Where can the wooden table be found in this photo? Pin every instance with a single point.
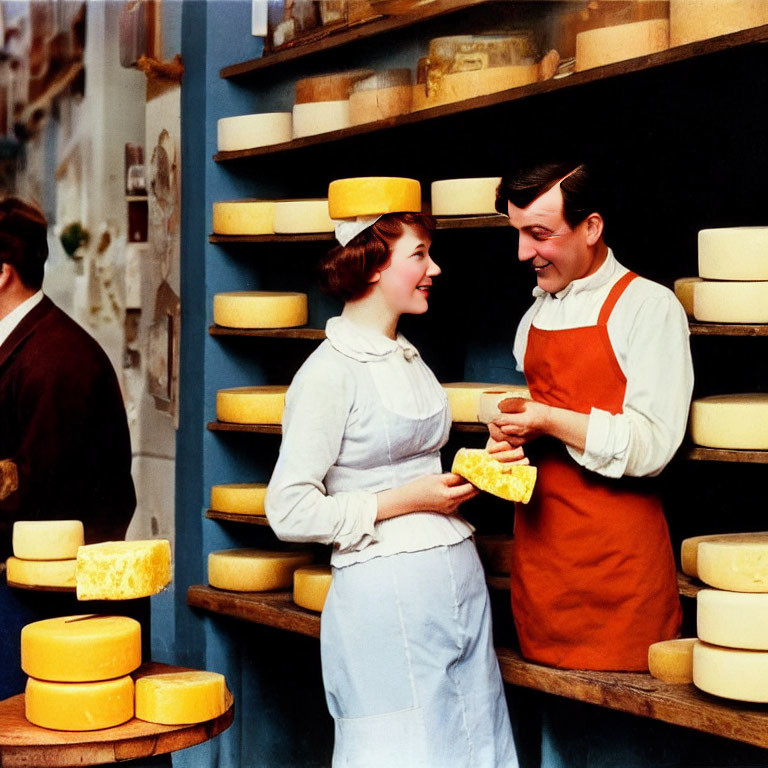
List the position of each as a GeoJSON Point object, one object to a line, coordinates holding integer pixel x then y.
{"type": "Point", "coordinates": [23, 745]}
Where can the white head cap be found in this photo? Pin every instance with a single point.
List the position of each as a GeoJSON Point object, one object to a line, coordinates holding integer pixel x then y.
{"type": "Point", "coordinates": [347, 229]}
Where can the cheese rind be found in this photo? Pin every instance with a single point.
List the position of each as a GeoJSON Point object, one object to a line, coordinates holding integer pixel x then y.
{"type": "Point", "coordinates": [372, 196]}
{"type": "Point", "coordinates": [731, 301]}
{"type": "Point", "coordinates": [251, 131]}
{"type": "Point", "coordinates": [384, 94]}
{"type": "Point", "coordinates": [683, 288]}
{"type": "Point", "coordinates": [244, 217]}
{"type": "Point", "coordinates": [260, 309]}
{"type": "Point", "coordinates": [254, 570]}
{"type": "Point", "coordinates": [47, 539]}
{"type": "Point", "coordinates": [692, 20]}
{"type": "Point", "coordinates": [239, 498]}
{"type": "Point", "coordinates": [606, 45]}
{"type": "Point", "coordinates": [334, 86]}
{"type": "Point", "coordinates": [738, 421]}
{"type": "Point", "coordinates": [671, 661]}
{"type": "Point", "coordinates": [298, 216]}
{"type": "Point", "coordinates": [179, 698]}
{"type": "Point", "coordinates": [41, 573]}
{"type": "Point", "coordinates": [489, 400]}
{"type": "Point", "coordinates": [689, 549]}
{"type": "Point", "coordinates": [464, 399]}
{"type": "Point", "coordinates": [251, 405]}
{"type": "Point", "coordinates": [310, 586]}
{"type": "Point", "coordinates": [320, 117]}
{"type": "Point", "coordinates": [734, 253]}
{"type": "Point", "coordinates": [76, 649]}
{"type": "Point", "coordinates": [738, 566]}
{"type": "Point", "coordinates": [464, 197]}
{"type": "Point", "coordinates": [731, 673]}
{"type": "Point", "coordinates": [732, 619]}
{"type": "Point", "coordinates": [513, 482]}
{"type": "Point", "coordinates": [123, 570]}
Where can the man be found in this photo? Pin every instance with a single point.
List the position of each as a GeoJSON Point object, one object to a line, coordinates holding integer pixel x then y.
{"type": "Point", "coordinates": [607, 360]}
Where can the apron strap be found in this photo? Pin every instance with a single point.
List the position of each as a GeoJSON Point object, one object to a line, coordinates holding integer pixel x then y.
{"type": "Point", "coordinates": [614, 296]}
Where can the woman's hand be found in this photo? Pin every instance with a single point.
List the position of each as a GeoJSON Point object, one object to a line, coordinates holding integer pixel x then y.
{"type": "Point", "coordinates": [521, 420]}
{"type": "Point", "coordinates": [502, 451]}
{"type": "Point", "coordinates": [443, 494]}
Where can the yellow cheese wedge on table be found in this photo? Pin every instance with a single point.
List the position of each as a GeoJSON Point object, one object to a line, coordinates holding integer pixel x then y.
{"type": "Point", "coordinates": [40, 573]}
{"type": "Point", "coordinates": [464, 399]}
{"type": "Point", "coordinates": [239, 498]}
{"type": "Point", "coordinates": [513, 482]}
{"type": "Point", "coordinates": [734, 253]}
{"type": "Point", "coordinates": [310, 586]}
{"type": "Point", "coordinates": [732, 619]}
{"type": "Point", "coordinates": [606, 45]}
{"type": "Point", "coordinates": [244, 217]}
{"type": "Point", "coordinates": [464, 197]}
{"type": "Point", "coordinates": [251, 131]}
{"type": "Point", "coordinates": [178, 698]}
{"type": "Point", "coordinates": [692, 20]}
{"type": "Point", "coordinates": [315, 117]}
{"type": "Point", "coordinates": [47, 539]}
{"type": "Point", "coordinates": [683, 288]}
{"type": "Point", "coordinates": [671, 661]}
{"type": "Point", "coordinates": [76, 649]}
{"type": "Point", "coordinates": [726, 301]}
{"type": "Point", "coordinates": [495, 552]}
{"type": "Point", "coordinates": [373, 195]}
{"type": "Point", "coordinates": [730, 672]}
{"type": "Point", "coordinates": [738, 422]}
{"type": "Point", "coordinates": [79, 706]}
{"type": "Point", "coordinates": [254, 570]}
{"type": "Point", "coordinates": [293, 217]}
{"type": "Point", "coordinates": [123, 570]}
{"type": "Point", "coordinates": [260, 309]}
{"type": "Point", "coordinates": [251, 405]}
{"type": "Point", "coordinates": [738, 566]}
{"type": "Point", "coordinates": [689, 549]}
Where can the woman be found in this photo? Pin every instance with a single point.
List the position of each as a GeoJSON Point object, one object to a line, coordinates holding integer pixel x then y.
{"type": "Point", "coordinates": [410, 673]}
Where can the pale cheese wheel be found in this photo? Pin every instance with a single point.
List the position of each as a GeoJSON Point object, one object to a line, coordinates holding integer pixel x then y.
{"type": "Point", "coordinates": [606, 45]}
{"type": "Point", "coordinates": [464, 398]}
{"type": "Point", "coordinates": [489, 400]}
{"type": "Point", "coordinates": [310, 586]}
{"type": "Point", "coordinates": [734, 253]}
{"type": "Point", "coordinates": [251, 405]}
{"type": "Point", "coordinates": [513, 482]}
{"type": "Point", "coordinates": [385, 94]}
{"type": "Point", "coordinates": [79, 706]}
{"type": "Point", "coordinates": [738, 422]}
{"type": "Point", "coordinates": [692, 20]}
{"type": "Point", "coordinates": [47, 539]}
{"type": "Point", "coordinates": [260, 309]}
{"type": "Point", "coordinates": [689, 549]}
{"type": "Point", "coordinates": [254, 570]}
{"type": "Point", "coordinates": [671, 661]}
{"type": "Point", "coordinates": [738, 566]}
{"type": "Point", "coordinates": [77, 649]}
{"type": "Point", "coordinates": [297, 216]}
{"type": "Point", "coordinates": [464, 197]}
{"type": "Point", "coordinates": [180, 698]}
{"type": "Point", "coordinates": [244, 217]}
{"type": "Point", "coordinates": [730, 301]}
{"type": "Point", "coordinates": [732, 619]}
{"type": "Point", "coordinates": [328, 87]}
{"type": "Point", "coordinates": [373, 195]}
{"type": "Point", "coordinates": [239, 498]}
{"type": "Point", "coordinates": [320, 117]}
{"type": "Point", "coordinates": [683, 288]}
{"type": "Point", "coordinates": [731, 673]}
{"type": "Point", "coordinates": [251, 131]}
{"type": "Point", "coordinates": [41, 573]}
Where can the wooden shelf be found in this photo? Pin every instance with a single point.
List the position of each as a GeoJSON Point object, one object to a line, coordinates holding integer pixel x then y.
{"type": "Point", "coordinates": [276, 429]}
{"type": "Point", "coordinates": [699, 453]}
{"type": "Point", "coordinates": [269, 333]}
{"type": "Point", "coordinates": [728, 329]}
{"type": "Point", "coordinates": [687, 586]}
{"type": "Point", "coordinates": [232, 517]}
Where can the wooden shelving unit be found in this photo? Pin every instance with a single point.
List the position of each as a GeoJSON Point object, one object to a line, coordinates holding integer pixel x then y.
{"type": "Point", "coordinates": [276, 429]}
{"type": "Point", "coordinates": [232, 517]}
{"type": "Point", "coordinates": [699, 453]}
{"type": "Point", "coordinates": [311, 334]}
{"type": "Point", "coordinates": [728, 329]}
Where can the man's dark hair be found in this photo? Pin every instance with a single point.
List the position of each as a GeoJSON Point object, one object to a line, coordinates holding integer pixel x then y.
{"type": "Point", "coordinates": [23, 240]}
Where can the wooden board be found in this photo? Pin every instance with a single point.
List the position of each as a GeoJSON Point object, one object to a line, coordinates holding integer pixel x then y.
{"type": "Point", "coordinates": [728, 329]}
{"type": "Point", "coordinates": [699, 453]}
{"type": "Point", "coordinates": [269, 333]}
{"type": "Point", "coordinates": [234, 517]}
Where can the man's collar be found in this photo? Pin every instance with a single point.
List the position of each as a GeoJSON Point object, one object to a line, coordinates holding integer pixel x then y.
{"type": "Point", "coordinates": [604, 274]}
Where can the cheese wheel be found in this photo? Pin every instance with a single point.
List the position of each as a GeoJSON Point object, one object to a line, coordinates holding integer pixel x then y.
{"type": "Point", "coordinates": [689, 549]}
{"type": "Point", "coordinates": [251, 405]}
{"type": "Point", "coordinates": [251, 131]}
{"type": "Point", "coordinates": [606, 45]}
{"type": "Point", "coordinates": [373, 195]}
{"type": "Point", "coordinates": [328, 87]}
{"type": "Point", "coordinates": [731, 673]}
{"type": "Point", "coordinates": [297, 216]}
{"type": "Point", "coordinates": [738, 566]}
{"type": "Point", "coordinates": [40, 573]}
{"type": "Point", "coordinates": [464, 197]}
{"type": "Point", "coordinates": [382, 95]}
{"type": "Point", "coordinates": [79, 649]}
{"type": "Point", "coordinates": [244, 217]}
{"type": "Point", "coordinates": [731, 421]}
{"type": "Point", "coordinates": [734, 253]}
{"type": "Point", "coordinates": [488, 401]}
{"type": "Point", "coordinates": [47, 539]}
{"type": "Point", "coordinates": [254, 570]}
{"type": "Point", "coordinates": [683, 288]}
{"type": "Point", "coordinates": [79, 706]}
{"type": "Point", "coordinates": [310, 586]}
{"type": "Point", "coordinates": [513, 482]}
{"type": "Point", "coordinates": [671, 661]}
{"type": "Point", "coordinates": [692, 20]}
{"type": "Point", "coordinates": [495, 552]}
{"type": "Point", "coordinates": [730, 302]}
{"type": "Point", "coordinates": [239, 498]}
{"type": "Point", "coordinates": [179, 698]}
{"type": "Point", "coordinates": [464, 398]}
{"type": "Point", "coordinates": [320, 117]}
{"type": "Point", "coordinates": [732, 619]}
{"type": "Point", "coordinates": [260, 309]}
{"type": "Point", "coordinates": [123, 570]}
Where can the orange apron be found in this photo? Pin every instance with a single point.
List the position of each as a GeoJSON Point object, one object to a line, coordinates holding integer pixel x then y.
{"type": "Point", "coordinates": [593, 575]}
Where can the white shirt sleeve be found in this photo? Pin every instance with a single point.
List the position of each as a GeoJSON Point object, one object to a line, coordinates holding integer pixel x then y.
{"type": "Point", "coordinates": [298, 508]}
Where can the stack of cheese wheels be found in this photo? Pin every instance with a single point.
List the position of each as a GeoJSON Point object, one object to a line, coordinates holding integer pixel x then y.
{"type": "Point", "coordinates": [79, 671]}
{"type": "Point", "coordinates": [254, 570]}
{"type": "Point", "coordinates": [181, 698]}
{"type": "Point", "coordinates": [44, 553]}
{"type": "Point", "coordinates": [373, 196]}
{"type": "Point", "coordinates": [733, 262]}
{"type": "Point", "coordinates": [472, 401]}
{"type": "Point", "coordinates": [464, 197]}
{"type": "Point", "coordinates": [251, 131]}
{"type": "Point", "coordinates": [244, 217]}
{"type": "Point", "coordinates": [310, 586]}
{"type": "Point", "coordinates": [606, 45]}
{"type": "Point", "coordinates": [294, 217]}
{"type": "Point", "coordinates": [382, 95]}
{"type": "Point", "coordinates": [692, 20]}
{"type": "Point", "coordinates": [251, 405]}
{"type": "Point", "coordinates": [260, 309]}
{"type": "Point", "coordinates": [683, 288]}
{"type": "Point", "coordinates": [239, 498]}
{"type": "Point", "coordinates": [731, 422]}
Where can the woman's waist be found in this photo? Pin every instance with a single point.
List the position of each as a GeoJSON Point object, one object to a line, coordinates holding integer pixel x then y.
{"type": "Point", "coordinates": [381, 477]}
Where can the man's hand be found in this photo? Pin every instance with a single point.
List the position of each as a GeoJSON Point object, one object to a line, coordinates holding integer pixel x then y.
{"type": "Point", "coordinates": [502, 451]}
{"type": "Point", "coordinates": [521, 420]}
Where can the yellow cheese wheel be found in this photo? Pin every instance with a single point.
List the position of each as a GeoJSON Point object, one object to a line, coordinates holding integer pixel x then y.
{"type": "Point", "coordinates": [692, 20]}
{"type": "Point", "coordinates": [251, 405]}
{"type": "Point", "coordinates": [320, 117]}
{"type": "Point", "coordinates": [78, 649]}
{"type": "Point", "coordinates": [513, 482]}
{"type": "Point", "coordinates": [254, 570]}
{"type": "Point", "coordinates": [731, 673]}
{"type": "Point", "coordinates": [720, 301]}
{"type": "Point", "coordinates": [239, 498]}
{"type": "Point", "coordinates": [40, 573]}
{"type": "Point", "coordinates": [373, 195]}
{"type": "Point", "coordinates": [731, 421]}
{"type": "Point", "coordinates": [47, 539]}
{"type": "Point", "coordinates": [464, 398]}
{"type": "Point", "coordinates": [310, 586]}
{"type": "Point", "coordinates": [178, 698]}
{"type": "Point", "coordinates": [732, 619]}
{"type": "Point", "coordinates": [464, 197]}
{"type": "Point", "coordinates": [297, 216]}
{"type": "Point", "coordinates": [671, 661]}
{"type": "Point", "coordinates": [251, 131]}
{"type": "Point", "coordinates": [495, 552]}
{"type": "Point", "coordinates": [328, 87]}
{"type": "Point", "coordinates": [489, 399]}
{"type": "Point", "coordinates": [244, 217]}
{"type": "Point", "coordinates": [734, 253]}
{"type": "Point", "coordinates": [260, 309]}
{"type": "Point", "coordinates": [123, 570]}
{"type": "Point", "coordinates": [683, 288]}
{"type": "Point", "coordinates": [79, 706]}
{"type": "Point", "coordinates": [606, 45]}
{"type": "Point", "coordinates": [689, 549]}
{"type": "Point", "coordinates": [738, 566]}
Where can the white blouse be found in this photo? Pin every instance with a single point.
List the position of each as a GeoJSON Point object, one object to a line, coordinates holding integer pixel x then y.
{"type": "Point", "coordinates": [363, 414]}
{"type": "Point", "coordinates": [648, 330]}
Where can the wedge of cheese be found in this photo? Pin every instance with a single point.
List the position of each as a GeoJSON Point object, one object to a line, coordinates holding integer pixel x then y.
{"type": "Point", "coordinates": [47, 539]}
{"type": "Point", "coordinates": [736, 422]}
{"type": "Point", "coordinates": [513, 482]}
{"type": "Point", "coordinates": [738, 566]}
{"type": "Point", "coordinates": [310, 586]}
{"type": "Point", "coordinates": [464, 197]}
{"type": "Point", "coordinates": [734, 253]}
{"type": "Point", "coordinates": [671, 661]}
{"type": "Point", "coordinates": [683, 288]}
{"type": "Point", "coordinates": [179, 698]}
{"type": "Point", "coordinates": [731, 673]}
{"type": "Point", "coordinates": [716, 301]}
{"type": "Point", "coordinates": [40, 573]}
{"type": "Point", "coordinates": [254, 570]}
{"type": "Point", "coordinates": [732, 619]}
{"type": "Point", "coordinates": [689, 549]}
{"type": "Point", "coordinates": [372, 196]}
{"type": "Point", "coordinates": [251, 131]}
{"type": "Point", "coordinates": [239, 498]}
{"type": "Point", "coordinates": [606, 45]}
{"type": "Point", "coordinates": [251, 405]}
{"type": "Point", "coordinates": [244, 217]}
{"type": "Point", "coordinates": [260, 309]}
